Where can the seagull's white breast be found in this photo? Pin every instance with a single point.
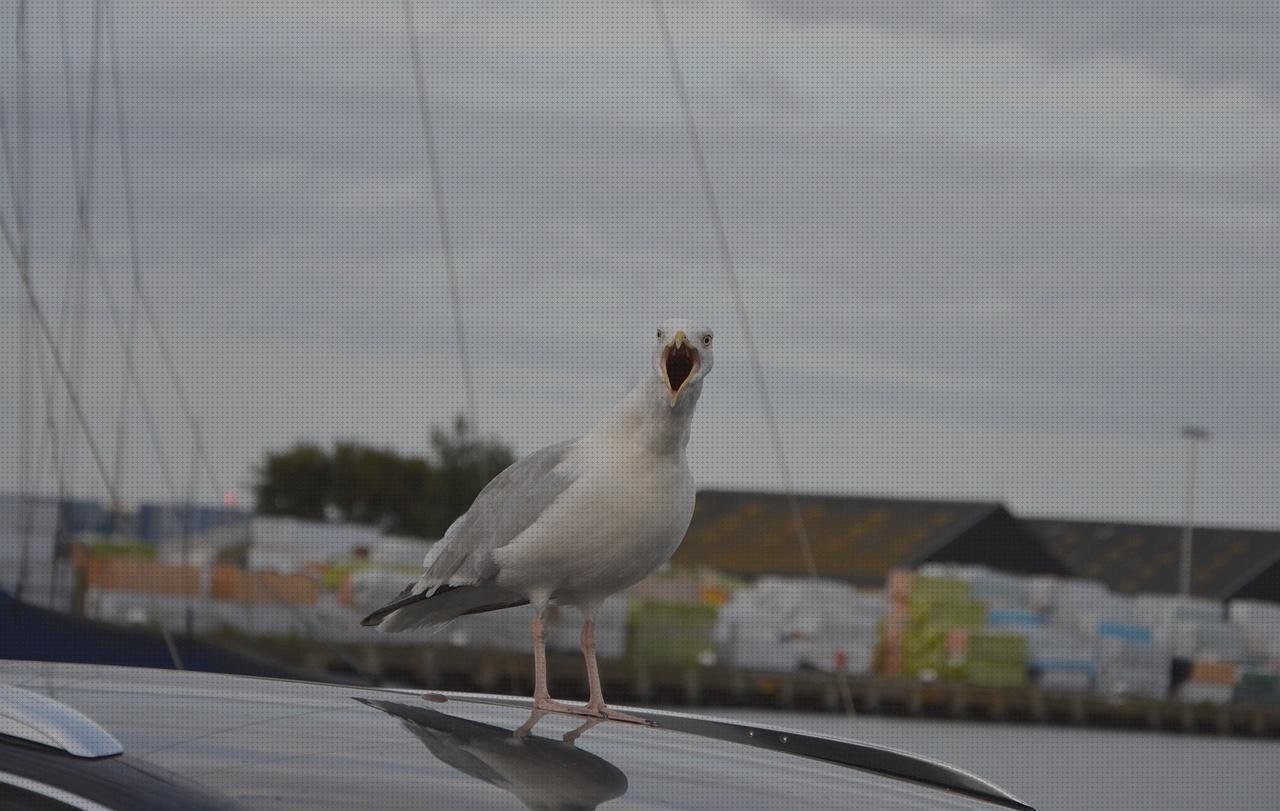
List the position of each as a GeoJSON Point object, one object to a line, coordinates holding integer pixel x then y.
{"type": "Point", "coordinates": [617, 523]}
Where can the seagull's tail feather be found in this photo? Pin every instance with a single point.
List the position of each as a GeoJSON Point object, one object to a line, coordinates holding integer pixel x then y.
{"type": "Point", "coordinates": [438, 606]}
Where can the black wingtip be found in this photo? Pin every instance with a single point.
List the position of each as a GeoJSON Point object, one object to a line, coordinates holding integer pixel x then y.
{"type": "Point", "coordinates": [404, 598]}
{"type": "Point", "coordinates": [407, 598]}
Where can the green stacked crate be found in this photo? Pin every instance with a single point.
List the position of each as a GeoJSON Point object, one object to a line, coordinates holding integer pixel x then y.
{"type": "Point", "coordinates": [939, 589]}
{"type": "Point", "coordinates": [998, 647]}
{"type": "Point", "coordinates": [937, 607]}
{"type": "Point", "coordinates": [997, 660]}
{"type": "Point", "coordinates": [663, 633]}
{"type": "Point", "coordinates": [923, 649]}
{"type": "Point", "coordinates": [964, 613]}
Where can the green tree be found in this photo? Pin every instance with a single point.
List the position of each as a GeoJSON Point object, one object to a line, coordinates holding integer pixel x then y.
{"type": "Point", "coordinates": [403, 495]}
{"type": "Point", "coordinates": [380, 487]}
{"type": "Point", "coordinates": [464, 464]}
{"type": "Point", "coordinates": [295, 483]}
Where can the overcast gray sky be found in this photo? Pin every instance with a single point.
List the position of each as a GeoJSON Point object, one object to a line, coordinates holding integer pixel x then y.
{"type": "Point", "coordinates": [991, 250]}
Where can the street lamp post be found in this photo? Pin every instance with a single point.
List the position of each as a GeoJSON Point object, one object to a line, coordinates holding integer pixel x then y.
{"type": "Point", "coordinates": [1195, 436]}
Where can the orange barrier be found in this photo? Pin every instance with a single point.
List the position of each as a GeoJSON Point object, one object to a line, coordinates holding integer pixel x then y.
{"type": "Point", "coordinates": [1206, 672]}
{"type": "Point", "coordinates": [126, 574]}
{"type": "Point", "coordinates": [239, 585]}
{"type": "Point", "coordinates": [225, 582]}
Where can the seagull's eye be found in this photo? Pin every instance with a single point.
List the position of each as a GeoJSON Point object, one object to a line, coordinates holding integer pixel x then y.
{"type": "Point", "coordinates": [706, 339]}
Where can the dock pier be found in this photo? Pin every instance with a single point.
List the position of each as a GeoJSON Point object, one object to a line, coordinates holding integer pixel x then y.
{"type": "Point", "coordinates": [626, 682]}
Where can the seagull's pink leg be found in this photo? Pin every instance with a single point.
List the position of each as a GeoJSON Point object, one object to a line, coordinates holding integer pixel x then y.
{"type": "Point", "coordinates": [595, 704]}
{"type": "Point", "coordinates": [596, 701]}
{"type": "Point", "coordinates": [541, 696]}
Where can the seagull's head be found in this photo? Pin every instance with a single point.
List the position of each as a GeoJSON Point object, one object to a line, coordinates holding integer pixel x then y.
{"type": "Point", "coordinates": [682, 357]}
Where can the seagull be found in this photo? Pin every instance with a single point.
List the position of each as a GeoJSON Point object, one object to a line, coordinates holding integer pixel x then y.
{"type": "Point", "coordinates": [575, 522]}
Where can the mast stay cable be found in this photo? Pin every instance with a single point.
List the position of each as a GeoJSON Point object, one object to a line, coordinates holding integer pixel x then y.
{"type": "Point", "coordinates": [731, 276]}
{"type": "Point", "coordinates": [19, 243]}
{"type": "Point", "coordinates": [71, 328]}
{"type": "Point", "coordinates": [442, 218]}
{"type": "Point", "coordinates": [17, 239]}
{"type": "Point", "coordinates": [135, 261]}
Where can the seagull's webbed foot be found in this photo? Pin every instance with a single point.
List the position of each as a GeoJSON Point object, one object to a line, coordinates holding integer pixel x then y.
{"type": "Point", "coordinates": [571, 737]}
{"type": "Point", "coordinates": [603, 711]}
{"type": "Point", "coordinates": [597, 711]}
{"type": "Point", "coordinates": [522, 731]}
{"type": "Point", "coordinates": [546, 704]}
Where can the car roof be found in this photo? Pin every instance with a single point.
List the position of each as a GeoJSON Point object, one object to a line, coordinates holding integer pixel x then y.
{"type": "Point", "coordinates": [277, 743]}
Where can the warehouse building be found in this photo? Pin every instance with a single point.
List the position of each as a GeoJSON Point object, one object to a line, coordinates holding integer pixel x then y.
{"type": "Point", "coordinates": [860, 540]}
{"type": "Point", "coordinates": [857, 539]}
{"type": "Point", "coordinates": [1132, 558]}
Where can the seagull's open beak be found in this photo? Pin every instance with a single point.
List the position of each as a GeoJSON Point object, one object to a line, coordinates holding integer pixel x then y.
{"type": "Point", "coordinates": [680, 364]}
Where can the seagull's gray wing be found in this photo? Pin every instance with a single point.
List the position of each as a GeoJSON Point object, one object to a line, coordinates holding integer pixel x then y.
{"type": "Point", "coordinates": [507, 506]}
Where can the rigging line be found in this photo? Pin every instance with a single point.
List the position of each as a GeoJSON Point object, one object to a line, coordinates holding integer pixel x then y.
{"type": "Point", "coordinates": [442, 219]}
{"type": "Point", "coordinates": [131, 370]}
{"type": "Point", "coordinates": [82, 168]}
{"type": "Point", "coordinates": [50, 434]}
{"type": "Point", "coordinates": [131, 226]}
{"type": "Point", "coordinates": [17, 161]}
{"type": "Point", "coordinates": [13, 236]}
{"type": "Point", "coordinates": [16, 165]}
{"type": "Point", "coordinates": [72, 132]}
{"type": "Point", "coordinates": [18, 238]}
{"type": "Point", "coordinates": [726, 257]}
{"type": "Point", "coordinates": [9, 238]}
{"type": "Point", "coordinates": [122, 409]}
{"type": "Point", "coordinates": [72, 396]}
{"type": "Point", "coordinates": [50, 440]}
{"type": "Point", "coordinates": [187, 516]}
{"type": "Point", "coordinates": [19, 247]}
{"type": "Point", "coordinates": [53, 436]}
{"type": "Point", "coordinates": [22, 200]}
{"type": "Point", "coordinates": [197, 432]}
{"type": "Point", "coordinates": [135, 252]}
{"type": "Point", "coordinates": [24, 401]}
{"type": "Point", "coordinates": [47, 387]}
{"type": "Point", "coordinates": [11, 174]}
{"type": "Point", "coordinates": [68, 296]}
{"type": "Point", "coordinates": [184, 401]}
{"type": "Point", "coordinates": [134, 377]}
{"type": "Point", "coordinates": [180, 388]}
{"type": "Point", "coordinates": [25, 445]}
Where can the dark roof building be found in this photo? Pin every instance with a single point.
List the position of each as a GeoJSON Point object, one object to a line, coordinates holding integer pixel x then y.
{"type": "Point", "coordinates": [1132, 558]}
{"type": "Point", "coordinates": [856, 539]}
{"type": "Point", "coordinates": [861, 539]}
